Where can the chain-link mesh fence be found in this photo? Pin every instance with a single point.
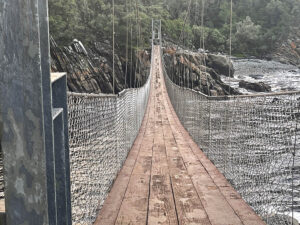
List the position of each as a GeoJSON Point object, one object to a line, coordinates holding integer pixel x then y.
{"type": "Point", "coordinates": [253, 141]}
{"type": "Point", "coordinates": [102, 129]}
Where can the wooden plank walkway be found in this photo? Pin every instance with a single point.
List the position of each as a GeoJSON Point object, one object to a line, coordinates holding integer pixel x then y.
{"type": "Point", "coordinates": [167, 179]}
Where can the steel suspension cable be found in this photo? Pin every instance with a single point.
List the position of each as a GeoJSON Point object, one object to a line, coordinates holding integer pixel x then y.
{"type": "Point", "coordinates": [140, 43]}
{"type": "Point", "coordinates": [131, 42]}
{"type": "Point", "coordinates": [185, 20]}
{"type": "Point", "coordinates": [127, 38]}
{"type": "Point", "coordinates": [137, 42]}
{"type": "Point", "coordinates": [113, 3]}
{"type": "Point", "coordinates": [230, 43]}
{"type": "Point", "coordinates": [197, 13]}
{"type": "Point", "coordinates": [203, 45]}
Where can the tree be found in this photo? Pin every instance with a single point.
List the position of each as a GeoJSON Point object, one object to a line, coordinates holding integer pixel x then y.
{"type": "Point", "coordinates": [261, 22]}
{"type": "Point", "coordinates": [63, 20]}
{"type": "Point", "coordinates": [247, 35]}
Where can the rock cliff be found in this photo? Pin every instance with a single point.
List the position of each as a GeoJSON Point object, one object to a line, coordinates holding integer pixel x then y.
{"type": "Point", "coordinates": [90, 69]}
{"type": "Point", "coordinates": [288, 51]}
{"type": "Point", "coordinates": [200, 71]}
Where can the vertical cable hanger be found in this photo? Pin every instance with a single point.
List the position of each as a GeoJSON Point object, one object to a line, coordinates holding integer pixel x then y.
{"type": "Point", "coordinates": [113, 2]}
{"type": "Point", "coordinates": [179, 41]}
{"type": "Point", "coordinates": [230, 43]}
{"type": "Point", "coordinates": [185, 20]}
{"type": "Point", "coordinates": [131, 42]}
{"type": "Point", "coordinates": [137, 42]}
{"type": "Point", "coordinates": [127, 37]}
{"type": "Point", "coordinates": [197, 23]}
{"type": "Point", "coordinates": [140, 43]}
{"type": "Point", "coordinates": [197, 11]}
{"type": "Point", "coordinates": [202, 25]}
{"type": "Point", "coordinates": [203, 45]}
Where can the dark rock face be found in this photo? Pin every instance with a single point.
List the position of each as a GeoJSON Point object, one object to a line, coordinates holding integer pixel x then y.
{"type": "Point", "coordinates": [258, 87]}
{"type": "Point", "coordinates": [188, 69]}
{"type": "Point", "coordinates": [90, 69]}
{"type": "Point", "coordinates": [220, 64]}
{"type": "Point", "coordinates": [288, 51]}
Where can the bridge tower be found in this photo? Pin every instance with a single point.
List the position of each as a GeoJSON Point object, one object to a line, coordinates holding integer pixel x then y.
{"type": "Point", "coordinates": [156, 32]}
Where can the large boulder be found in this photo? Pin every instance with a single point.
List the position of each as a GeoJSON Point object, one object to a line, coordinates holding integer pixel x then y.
{"type": "Point", "coordinates": [221, 64]}
{"type": "Point", "coordinates": [257, 87]}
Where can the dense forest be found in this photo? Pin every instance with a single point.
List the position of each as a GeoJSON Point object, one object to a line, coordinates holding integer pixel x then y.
{"type": "Point", "coordinates": [257, 25]}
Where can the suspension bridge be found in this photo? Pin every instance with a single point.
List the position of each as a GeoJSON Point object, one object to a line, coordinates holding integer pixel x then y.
{"type": "Point", "coordinates": [167, 179]}
{"type": "Point", "coordinates": [158, 154]}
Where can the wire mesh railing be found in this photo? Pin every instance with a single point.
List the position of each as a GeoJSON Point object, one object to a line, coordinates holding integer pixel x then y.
{"type": "Point", "coordinates": [102, 130]}
{"type": "Point", "coordinates": [253, 141]}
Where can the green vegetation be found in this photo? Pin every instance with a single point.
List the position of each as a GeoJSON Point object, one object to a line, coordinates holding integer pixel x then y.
{"type": "Point", "coordinates": [257, 24]}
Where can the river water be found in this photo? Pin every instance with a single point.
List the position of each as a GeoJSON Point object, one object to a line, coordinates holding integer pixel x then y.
{"type": "Point", "coordinates": [281, 77]}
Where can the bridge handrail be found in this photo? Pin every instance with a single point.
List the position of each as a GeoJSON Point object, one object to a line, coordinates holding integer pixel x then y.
{"type": "Point", "coordinates": [102, 130]}
{"type": "Point", "coordinates": [227, 97]}
{"type": "Point", "coordinates": [252, 139]}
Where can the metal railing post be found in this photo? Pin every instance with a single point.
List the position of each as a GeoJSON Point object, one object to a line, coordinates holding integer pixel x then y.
{"type": "Point", "coordinates": [61, 150]}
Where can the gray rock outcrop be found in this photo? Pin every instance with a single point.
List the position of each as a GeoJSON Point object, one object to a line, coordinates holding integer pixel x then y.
{"type": "Point", "coordinates": [288, 51]}
{"type": "Point", "coordinates": [221, 64]}
{"type": "Point", "coordinates": [198, 71]}
{"type": "Point", "coordinates": [257, 87]}
{"type": "Point", "coordinates": [90, 69]}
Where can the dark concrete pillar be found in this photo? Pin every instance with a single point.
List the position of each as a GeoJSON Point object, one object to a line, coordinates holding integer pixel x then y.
{"type": "Point", "coordinates": [29, 146]}
{"type": "Point", "coordinates": [23, 138]}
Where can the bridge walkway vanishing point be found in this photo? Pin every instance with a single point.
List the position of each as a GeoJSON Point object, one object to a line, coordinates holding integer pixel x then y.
{"type": "Point", "coordinates": [167, 179]}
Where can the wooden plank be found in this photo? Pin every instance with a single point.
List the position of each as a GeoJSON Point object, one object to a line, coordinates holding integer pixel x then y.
{"type": "Point", "coordinates": [189, 207]}
{"type": "Point", "coordinates": [138, 186]}
{"type": "Point", "coordinates": [143, 165]}
{"type": "Point", "coordinates": [161, 204]}
{"type": "Point", "coordinates": [241, 208]}
{"type": "Point", "coordinates": [133, 211]}
{"type": "Point", "coordinates": [162, 208]}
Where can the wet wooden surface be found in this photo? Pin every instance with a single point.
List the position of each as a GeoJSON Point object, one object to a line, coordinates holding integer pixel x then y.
{"type": "Point", "coordinates": [167, 179]}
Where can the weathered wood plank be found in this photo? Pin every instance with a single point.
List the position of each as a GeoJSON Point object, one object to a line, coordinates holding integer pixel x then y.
{"type": "Point", "coordinates": [161, 203]}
